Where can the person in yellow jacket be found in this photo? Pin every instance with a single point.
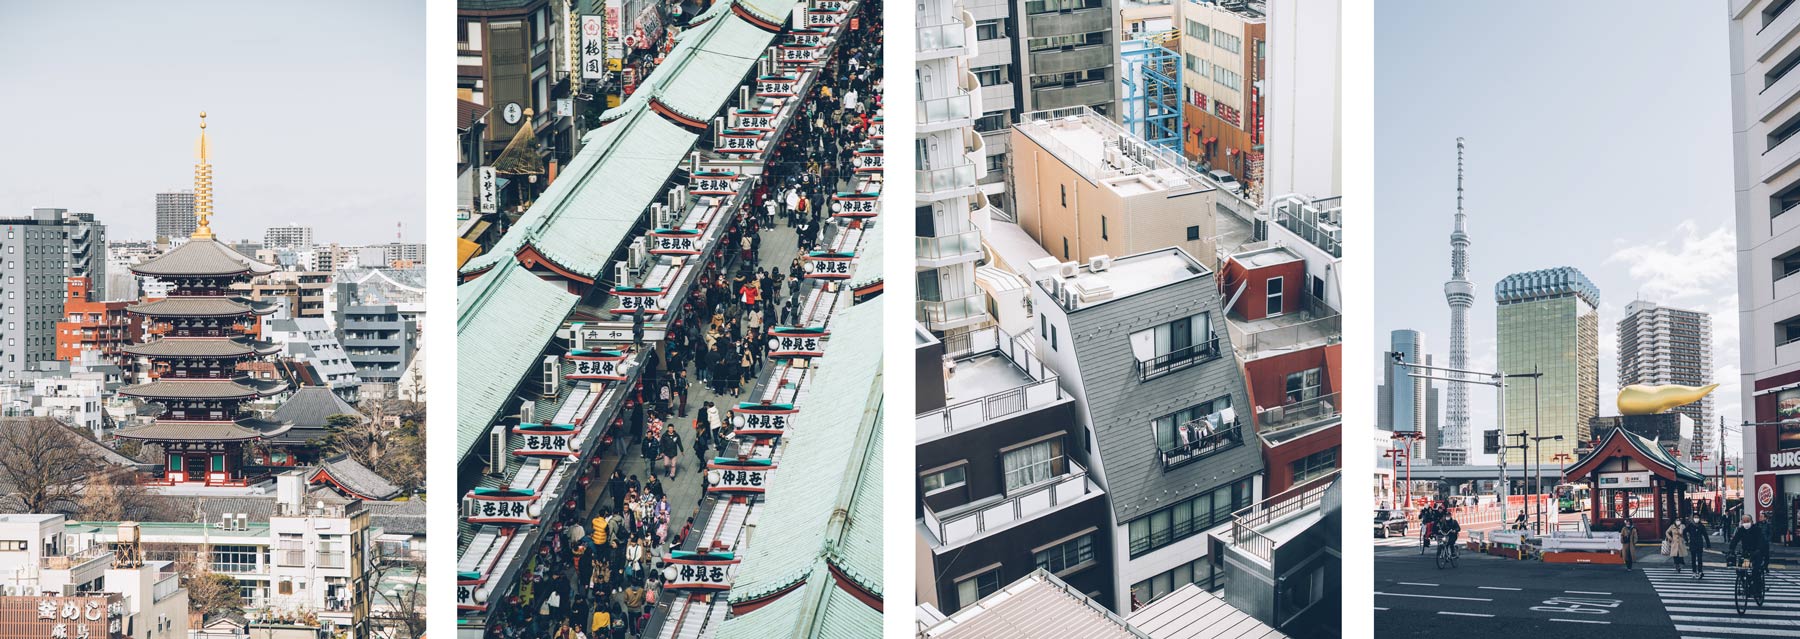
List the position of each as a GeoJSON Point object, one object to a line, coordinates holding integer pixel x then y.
{"type": "Point", "coordinates": [602, 620]}
{"type": "Point", "coordinates": [599, 535]}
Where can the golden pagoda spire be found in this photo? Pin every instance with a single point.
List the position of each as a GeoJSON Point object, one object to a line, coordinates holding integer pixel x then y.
{"type": "Point", "coordinates": [202, 189]}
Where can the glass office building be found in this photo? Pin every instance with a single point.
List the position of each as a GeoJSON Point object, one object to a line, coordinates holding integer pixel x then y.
{"type": "Point", "coordinates": [1548, 321]}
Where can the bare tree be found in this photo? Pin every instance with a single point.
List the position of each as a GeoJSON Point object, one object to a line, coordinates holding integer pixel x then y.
{"type": "Point", "coordinates": [44, 462]}
{"type": "Point", "coordinates": [400, 607]}
{"type": "Point", "coordinates": [388, 441]}
{"type": "Point", "coordinates": [117, 494]}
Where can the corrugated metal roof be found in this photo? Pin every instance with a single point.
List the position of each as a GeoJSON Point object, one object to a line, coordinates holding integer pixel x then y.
{"type": "Point", "coordinates": [590, 217]}
{"type": "Point", "coordinates": [1037, 606]}
{"type": "Point", "coordinates": [846, 616]}
{"type": "Point", "coordinates": [832, 433]}
{"type": "Point", "coordinates": [501, 329]}
{"type": "Point", "coordinates": [868, 258]}
{"type": "Point", "coordinates": [1193, 613]}
{"type": "Point", "coordinates": [708, 63]}
{"type": "Point", "coordinates": [774, 620]}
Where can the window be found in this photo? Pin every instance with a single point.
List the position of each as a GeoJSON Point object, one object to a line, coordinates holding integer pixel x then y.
{"type": "Point", "coordinates": [1174, 346]}
{"type": "Point", "coordinates": [1065, 240]}
{"type": "Point", "coordinates": [971, 590]}
{"type": "Point", "coordinates": [1051, 43]}
{"type": "Point", "coordinates": [1787, 264]}
{"type": "Point", "coordinates": [990, 29]}
{"type": "Point", "coordinates": [1066, 555]}
{"type": "Point", "coordinates": [1774, 11]}
{"type": "Point", "coordinates": [1785, 131]}
{"type": "Point", "coordinates": [1198, 31]}
{"type": "Point", "coordinates": [235, 559]}
{"type": "Point", "coordinates": [1031, 463]}
{"type": "Point", "coordinates": [947, 478]}
{"type": "Point", "coordinates": [1103, 227]}
{"type": "Point", "coordinates": [1194, 63]}
{"type": "Point", "coordinates": [1274, 288]}
{"type": "Point", "coordinates": [1188, 517]}
{"type": "Point", "coordinates": [1227, 41]}
{"type": "Point", "coordinates": [286, 587]}
{"type": "Point", "coordinates": [1052, 6]}
{"type": "Point", "coordinates": [1303, 385]}
{"type": "Point", "coordinates": [1193, 426]}
{"type": "Point", "coordinates": [1193, 233]}
{"type": "Point", "coordinates": [1780, 69]}
{"type": "Point", "coordinates": [1069, 79]}
{"type": "Point", "coordinates": [1227, 78]}
{"type": "Point", "coordinates": [990, 76]}
{"type": "Point", "coordinates": [1314, 466]}
{"type": "Point", "coordinates": [1198, 571]}
{"type": "Point", "coordinates": [1786, 199]}
{"type": "Point", "coordinates": [1063, 191]}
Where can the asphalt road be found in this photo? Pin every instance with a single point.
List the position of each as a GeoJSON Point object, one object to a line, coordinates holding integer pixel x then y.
{"type": "Point", "coordinates": [1488, 596]}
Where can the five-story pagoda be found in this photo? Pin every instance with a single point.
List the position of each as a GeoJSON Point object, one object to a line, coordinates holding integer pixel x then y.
{"type": "Point", "coordinates": [194, 340]}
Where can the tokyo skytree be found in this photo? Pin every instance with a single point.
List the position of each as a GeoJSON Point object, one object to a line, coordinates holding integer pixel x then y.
{"type": "Point", "coordinates": [1460, 292]}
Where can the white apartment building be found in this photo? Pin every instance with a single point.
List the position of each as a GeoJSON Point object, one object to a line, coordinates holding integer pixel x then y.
{"type": "Point", "coordinates": [1765, 116]}
{"type": "Point", "coordinates": [43, 562]}
{"type": "Point", "coordinates": [77, 400]}
{"type": "Point", "coordinates": [1663, 345]}
{"type": "Point", "coordinates": [1304, 128]}
{"type": "Point", "coordinates": [292, 236]}
{"type": "Point", "coordinates": [951, 158]}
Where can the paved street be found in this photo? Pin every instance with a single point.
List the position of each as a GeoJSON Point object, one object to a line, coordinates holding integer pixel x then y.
{"type": "Point", "coordinates": [1489, 596]}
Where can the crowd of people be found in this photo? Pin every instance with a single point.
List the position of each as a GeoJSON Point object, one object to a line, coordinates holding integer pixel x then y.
{"type": "Point", "coordinates": [596, 572]}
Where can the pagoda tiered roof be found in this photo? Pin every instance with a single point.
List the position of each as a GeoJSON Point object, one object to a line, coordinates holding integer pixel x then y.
{"type": "Point", "coordinates": [202, 306]}
{"type": "Point", "coordinates": [233, 388]}
{"type": "Point", "coordinates": [201, 258]}
{"type": "Point", "coordinates": [220, 347]}
{"type": "Point", "coordinates": [243, 429]}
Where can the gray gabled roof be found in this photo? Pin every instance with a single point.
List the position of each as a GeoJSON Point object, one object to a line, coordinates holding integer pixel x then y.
{"type": "Point", "coordinates": [201, 347]}
{"type": "Point", "coordinates": [358, 479]}
{"type": "Point", "coordinates": [192, 307]}
{"type": "Point", "coordinates": [1122, 408]}
{"type": "Point", "coordinates": [201, 258]}
{"type": "Point", "coordinates": [310, 405]}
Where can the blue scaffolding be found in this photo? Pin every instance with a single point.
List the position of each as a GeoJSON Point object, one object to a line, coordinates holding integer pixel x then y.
{"type": "Point", "coordinates": [1151, 76]}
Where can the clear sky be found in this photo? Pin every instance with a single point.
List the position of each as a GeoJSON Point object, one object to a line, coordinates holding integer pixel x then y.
{"type": "Point", "coordinates": [1599, 137]}
{"type": "Point", "coordinates": [315, 113]}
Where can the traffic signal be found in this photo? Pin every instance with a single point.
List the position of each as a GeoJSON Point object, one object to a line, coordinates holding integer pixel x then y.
{"type": "Point", "coordinates": [1490, 442]}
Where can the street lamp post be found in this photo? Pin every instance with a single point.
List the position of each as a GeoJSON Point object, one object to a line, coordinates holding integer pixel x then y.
{"type": "Point", "coordinates": [1495, 379]}
{"type": "Point", "coordinates": [1539, 452]}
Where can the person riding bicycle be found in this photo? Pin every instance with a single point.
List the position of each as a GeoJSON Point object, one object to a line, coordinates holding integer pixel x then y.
{"type": "Point", "coordinates": [1448, 528]}
{"type": "Point", "coordinates": [1427, 522]}
{"type": "Point", "coordinates": [1756, 546]}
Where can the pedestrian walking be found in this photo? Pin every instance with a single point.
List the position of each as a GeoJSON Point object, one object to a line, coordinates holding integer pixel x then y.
{"type": "Point", "coordinates": [1628, 537]}
{"type": "Point", "coordinates": [1697, 543]}
{"type": "Point", "coordinates": [1674, 545]}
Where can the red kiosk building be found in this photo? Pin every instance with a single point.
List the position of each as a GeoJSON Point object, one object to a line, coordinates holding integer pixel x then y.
{"type": "Point", "coordinates": [194, 341]}
{"type": "Point", "coordinates": [1630, 477]}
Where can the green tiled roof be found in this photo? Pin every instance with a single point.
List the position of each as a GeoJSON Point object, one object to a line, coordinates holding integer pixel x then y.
{"type": "Point", "coordinates": [502, 325]}
{"type": "Point", "coordinates": [836, 443]}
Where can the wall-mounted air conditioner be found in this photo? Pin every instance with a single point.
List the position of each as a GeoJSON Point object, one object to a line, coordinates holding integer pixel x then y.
{"type": "Point", "coordinates": [552, 376]}
{"type": "Point", "coordinates": [497, 453]}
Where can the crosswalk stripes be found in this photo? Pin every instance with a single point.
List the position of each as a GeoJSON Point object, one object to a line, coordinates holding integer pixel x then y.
{"type": "Point", "coordinates": [1703, 607]}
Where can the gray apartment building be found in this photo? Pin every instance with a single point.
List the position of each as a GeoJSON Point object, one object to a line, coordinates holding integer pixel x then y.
{"type": "Point", "coordinates": [37, 253]}
{"type": "Point", "coordinates": [1035, 55]}
{"type": "Point", "coordinates": [292, 236]}
{"type": "Point", "coordinates": [175, 214]}
{"type": "Point", "coordinates": [1140, 342]}
{"type": "Point", "coordinates": [1663, 345]}
{"type": "Point", "coordinates": [377, 339]}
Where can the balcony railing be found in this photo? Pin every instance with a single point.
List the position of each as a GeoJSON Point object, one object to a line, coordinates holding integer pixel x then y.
{"type": "Point", "coordinates": [930, 181]}
{"type": "Point", "coordinates": [945, 247]}
{"type": "Point", "coordinates": [935, 110]}
{"type": "Point", "coordinates": [1176, 360]}
{"type": "Point", "coordinates": [941, 36]}
{"type": "Point", "coordinates": [291, 557]}
{"type": "Point", "coordinates": [935, 313]}
{"type": "Point", "coordinates": [1206, 440]}
{"type": "Point", "coordinates": [979, 517]}
{"type": "Point", "coordinates": [78, 558]}
{"type": "Point", "coordinates": [1245, 523]}
{"type": "Point", "coordinates": [332, 559]}
{"type": "Point", "coordinates": [166, 587]}
{"type": "Point", "coordinates": [1041, 390]}
{"type": "Point", "coordinates": [1297, 414]}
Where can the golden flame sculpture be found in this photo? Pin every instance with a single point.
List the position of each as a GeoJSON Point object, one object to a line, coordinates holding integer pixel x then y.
{"type": "Point", "coordinates": [1643, 399]}
{"type": "Point", "coordinates": [202, 190]}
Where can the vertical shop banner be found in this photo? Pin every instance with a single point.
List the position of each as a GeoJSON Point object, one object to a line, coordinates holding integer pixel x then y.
{"type": "Point", "coordinates": [489, 190]}
{"type": "Point", "coordinates": [593, 47]}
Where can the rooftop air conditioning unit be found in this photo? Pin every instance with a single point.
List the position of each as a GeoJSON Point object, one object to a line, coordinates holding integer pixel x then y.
{"type": "Point", "coordinates": [621, 273]}
{"type": "Point", "coordinates": [678, 196]}
{"type": "Point", "coordinates": [1112, 157]}
{"type": "Point", "coordinates": [525, 412]}
{"type": "Point", "coordinates": [639, 254]}
{"type": "Point", "coordinates": [496, 462]}
{"type": "Point", "coordinates": [552, 378]}
{"type": "Point", "coordinates": [1068, 269]}
{"type": "Point", "coordinates": [1099, 263]}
